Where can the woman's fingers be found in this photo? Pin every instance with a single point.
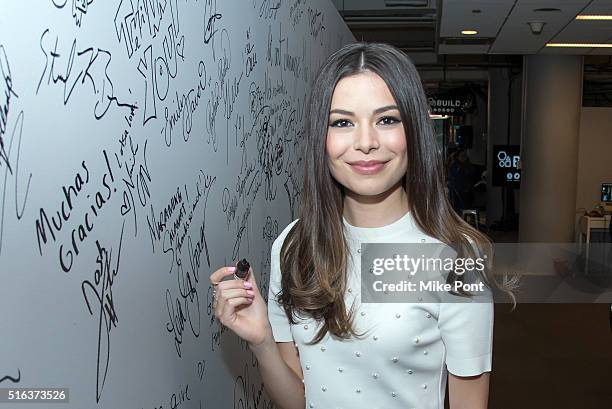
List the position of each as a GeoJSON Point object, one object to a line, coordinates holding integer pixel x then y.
{"type": "Point", "coordinates": [232, 284]}
{"type": "Point", "coordinates": [229, 295]}
{"type": "Point", "coordinates": [218, 276]}
{"type": "Point", "coordinates": [251, 282]}
{"type": "Point", "coordinates": [235, 302]}
{"type": "Point", "coordinates": [226, 309]}
{"type": "Point", "coordinates": [251, 278]}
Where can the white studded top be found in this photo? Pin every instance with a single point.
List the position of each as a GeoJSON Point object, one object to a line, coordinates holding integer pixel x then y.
{"type": "Point", "coordinates": [404, 360]}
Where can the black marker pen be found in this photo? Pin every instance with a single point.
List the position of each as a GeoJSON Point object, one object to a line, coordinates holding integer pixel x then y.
{"type": "Point", "coordinates": [242, 270]}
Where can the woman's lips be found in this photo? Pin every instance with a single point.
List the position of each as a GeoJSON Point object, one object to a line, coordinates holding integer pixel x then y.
{"type": "Point", "coordinates": [368, 168]}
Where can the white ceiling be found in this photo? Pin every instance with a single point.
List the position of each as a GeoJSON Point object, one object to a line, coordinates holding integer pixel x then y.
{"type": "Point", "coordinates": [503, 26]}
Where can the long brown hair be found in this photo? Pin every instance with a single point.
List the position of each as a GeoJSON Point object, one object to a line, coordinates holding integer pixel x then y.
{"type": "Point", "coordinates": [314, 254]}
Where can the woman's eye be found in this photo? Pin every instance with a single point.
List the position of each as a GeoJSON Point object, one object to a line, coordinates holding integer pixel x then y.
{"type": "Point", "coordinates": [389, 120]}
{"type": "Point", "coordinates": [340, 123]}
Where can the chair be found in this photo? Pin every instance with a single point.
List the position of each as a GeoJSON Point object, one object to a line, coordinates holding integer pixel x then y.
{"type": "Point", "coordinates": [471, 216]}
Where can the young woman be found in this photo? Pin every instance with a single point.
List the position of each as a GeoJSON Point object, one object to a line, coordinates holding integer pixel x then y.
{"type": "Point", "coordinates": [373, 173]}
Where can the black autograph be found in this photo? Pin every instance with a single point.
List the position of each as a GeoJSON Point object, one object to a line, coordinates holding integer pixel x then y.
{"type": "Point", "coordinates": [11, 378]}
{"type": "Point", "coordinates": [102, 290]}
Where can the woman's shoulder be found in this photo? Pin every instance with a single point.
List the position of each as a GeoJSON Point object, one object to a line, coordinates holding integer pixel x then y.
{"type": "Point", "coordinates": [278, 243]}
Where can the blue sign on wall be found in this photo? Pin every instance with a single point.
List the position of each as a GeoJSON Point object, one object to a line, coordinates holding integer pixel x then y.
{"type": "Point", "coordinates": [506, 165]}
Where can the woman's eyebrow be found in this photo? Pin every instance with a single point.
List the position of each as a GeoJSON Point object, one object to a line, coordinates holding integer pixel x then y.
{"type": "Point", "coordinates": [341, 112]}
{"type": "Point", "coordinates": [376, 111]}
{"type": "Point", "coordinates": [385, 108]}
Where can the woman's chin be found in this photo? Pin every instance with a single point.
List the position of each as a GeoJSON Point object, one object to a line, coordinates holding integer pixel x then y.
{"type": "Point", "coordinates": [372, 191]}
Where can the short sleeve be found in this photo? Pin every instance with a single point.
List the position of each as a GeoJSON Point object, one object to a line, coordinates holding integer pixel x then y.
{"type": "Point", "coordinates": [467, 333]}
{"type": "Point", "coordinates": [281, 328]}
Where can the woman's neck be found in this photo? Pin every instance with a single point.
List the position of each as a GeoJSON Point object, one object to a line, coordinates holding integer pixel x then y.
{"type": "Point", "coordinates": [376, 211]}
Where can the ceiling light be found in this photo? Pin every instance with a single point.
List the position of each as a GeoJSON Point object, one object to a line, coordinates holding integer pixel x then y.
{"type": "Point", "coordinates": [469, 32]}
{"type": "Point", "coordinates": [546, 10]}
{"type": "Point", "coordinates": [406, 3]}
{"type": "Point", "coordinates": [580, 45]}
{"type": "Point", "coordinates": [593, 17]}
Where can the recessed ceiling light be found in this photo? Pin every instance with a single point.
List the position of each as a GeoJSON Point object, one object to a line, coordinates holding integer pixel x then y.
{"type": "Point", "coordinates": [546, 10]}
{"type": "Point", "coordinates": [469, 32]}
{"type": "Point", "coordinates": [580, 45]}
{"type": "Point", "coordinates": [593, 17]}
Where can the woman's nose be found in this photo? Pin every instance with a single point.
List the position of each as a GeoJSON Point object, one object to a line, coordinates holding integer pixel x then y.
{"type": "Point", "coordinates": [366, 138]}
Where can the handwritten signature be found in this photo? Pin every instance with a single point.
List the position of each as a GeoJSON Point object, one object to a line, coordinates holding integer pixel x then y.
{"type": "Point", "coordinates": [20, 204]}
{"type": "Point", "coordinates": [14, 379]}
{"type": "Point", "coordinates": [102, 291]}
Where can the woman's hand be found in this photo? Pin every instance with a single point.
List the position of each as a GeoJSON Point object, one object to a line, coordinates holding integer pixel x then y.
{"type": "Point", "coordinates": [239, 306]}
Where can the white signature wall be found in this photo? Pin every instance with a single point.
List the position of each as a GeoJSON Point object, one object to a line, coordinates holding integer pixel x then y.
{"type": "Point", "coordinates": [144, 144]}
